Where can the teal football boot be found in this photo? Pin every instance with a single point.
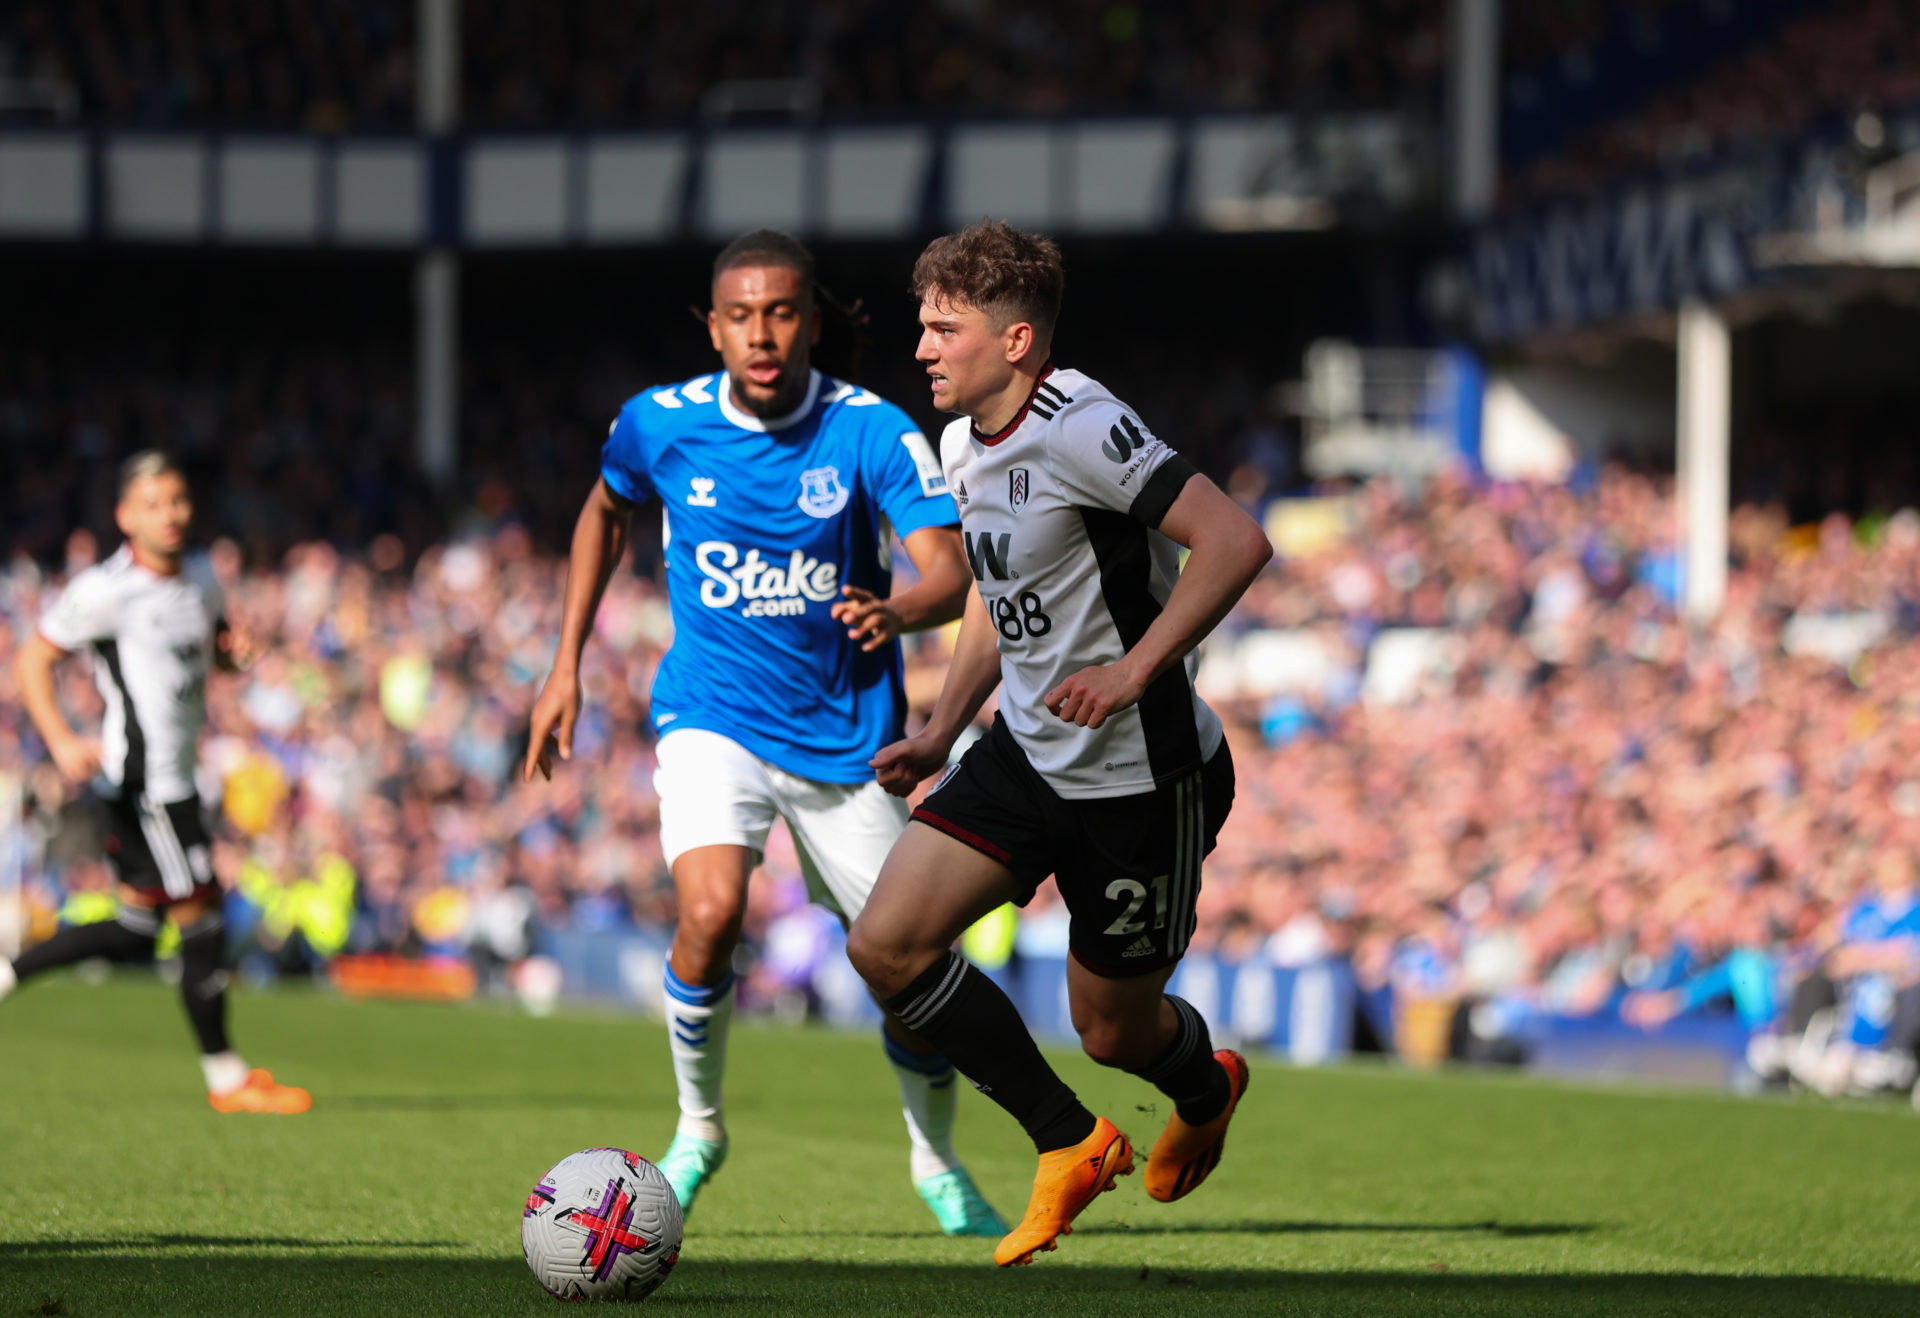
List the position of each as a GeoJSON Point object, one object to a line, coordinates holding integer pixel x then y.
{"type": "Point", "coordinates": [688, 1164]}
{"type": "Point", "coordinates": [959, 1207]}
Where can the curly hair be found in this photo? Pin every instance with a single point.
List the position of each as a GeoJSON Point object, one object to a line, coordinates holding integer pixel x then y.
{"type": "Point", "coordinates": [996, 269]}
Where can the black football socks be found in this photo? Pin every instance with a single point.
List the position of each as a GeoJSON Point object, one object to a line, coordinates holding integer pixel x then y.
{"type": "Point", "coordinates": [1186, 1071]}
{"type": "Point", "coordinates": [965, 1015]}
{"type": "Point", "coordinates": [130, 936]}
{"type": "Point", "coordinates": [126, 937]}
{"type": "Point", "coordinates": [203, 980]}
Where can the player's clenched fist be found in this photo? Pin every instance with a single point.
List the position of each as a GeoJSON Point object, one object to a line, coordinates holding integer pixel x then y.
{"type": "Point", "coordinates": [554, 714]}
{"type": "Point", "coordinates": [1091, 695]}
{"type": "Point", "coordinates": [900, 767]}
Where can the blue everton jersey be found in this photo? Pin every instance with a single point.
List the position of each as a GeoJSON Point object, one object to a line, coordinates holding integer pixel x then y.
{"type": "Point", "coordinates": [766, 519]}
{"type": "Point", "coordinates": [1869, 999]}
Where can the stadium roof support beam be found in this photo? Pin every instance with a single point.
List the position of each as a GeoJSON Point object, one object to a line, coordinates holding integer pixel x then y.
{"type": "Point", "coordinates": [1705, 428]}
{"type": "Point", "coordinates": [436, 277]}
{"type": "Point", "coordinates": [1473, 106]}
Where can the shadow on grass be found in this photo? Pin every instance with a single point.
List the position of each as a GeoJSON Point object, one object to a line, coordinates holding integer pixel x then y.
{"type": "Point", "coordinates": [465, 1102]}
{"type": "Point", "coordinates": [1251, 1227]}
{"type": "Point", "coordinates": [164, 1241]}
{"type": "Point", "coordinates": [368, 1284]}
{"type": "Point", "coordinates": [1244, 1227]}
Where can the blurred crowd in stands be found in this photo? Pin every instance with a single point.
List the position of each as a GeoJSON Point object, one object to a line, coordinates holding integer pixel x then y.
{"type": "Point", "coordinates": [339, 65]}
{"type": "Point", "coordinates": [1585, 810]}
{"type": "Point", "coordinates": [1818, 70]}
{"type": "Point", "coordinates": [334, 65]}
{"type": "Point", "coordinates": [1580, 809]}
{"type": "Point", "coordinates": [315, 65]}
{"type": "Point", "coordinates": [617, 61]}
{"type": "Point", "coordinates": [1532, 34]}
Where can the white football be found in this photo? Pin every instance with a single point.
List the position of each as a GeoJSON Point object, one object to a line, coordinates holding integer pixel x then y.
{"type": "Point", "coordinates": [602, 1225]}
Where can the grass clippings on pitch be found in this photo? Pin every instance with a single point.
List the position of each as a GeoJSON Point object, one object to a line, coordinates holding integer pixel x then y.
{"type": "Point", "coordinates": [1348, 1191]}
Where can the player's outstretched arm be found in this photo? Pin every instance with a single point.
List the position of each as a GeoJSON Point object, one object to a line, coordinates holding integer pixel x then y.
{"type": "Point", "coordinates": [937, 598]}
{"type": "Point", "coordinates": [971, 678]}
{"type": "Point", "coordinates": [1228, 550]}
{"type": "Point", "coordinates": [78, 758]}
{"type": "Point", "coordinates": [599, 538]}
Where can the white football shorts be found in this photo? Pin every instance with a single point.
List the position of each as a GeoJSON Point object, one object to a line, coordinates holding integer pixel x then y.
{"type": "Point", "coordinates": [715, 792]}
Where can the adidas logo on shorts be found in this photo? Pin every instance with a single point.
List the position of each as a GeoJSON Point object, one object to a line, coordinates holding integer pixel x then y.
{"type": "Point", "coordinates": [1141, 946]}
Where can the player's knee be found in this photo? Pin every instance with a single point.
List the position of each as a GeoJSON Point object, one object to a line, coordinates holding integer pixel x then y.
{"type": "Point", "coordinates": [886, 962]}
{"type": "Point", "coordinates": [703, 944]}
{"type": "Point", "coordinates": [714, 918]}
{"type": "Point", "coordinates": [1109, 1040]}
{"type": "Point", "coordinates": [871, 957]}
{"type": "Point", "coordinates": [1101, 1041]}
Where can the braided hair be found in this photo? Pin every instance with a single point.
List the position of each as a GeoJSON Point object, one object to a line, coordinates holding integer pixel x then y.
{"type": "Point", "coordinates": [843, 334]}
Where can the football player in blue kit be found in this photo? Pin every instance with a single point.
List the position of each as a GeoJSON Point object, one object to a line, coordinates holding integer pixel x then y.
{"type": "Point", "coordinates": [781, 489]}
{"type": "Point", "coordinates": [1877, 969]}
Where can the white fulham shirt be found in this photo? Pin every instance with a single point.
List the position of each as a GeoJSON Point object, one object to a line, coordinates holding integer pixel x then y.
{"type": "Point", "coordinates": [1058, 511]}
{"type": "Point", "coordinates": [152, 639]}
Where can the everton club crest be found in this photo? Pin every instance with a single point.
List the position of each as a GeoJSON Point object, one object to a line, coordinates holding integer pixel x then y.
{"type": "Point", "coordinates": [821, 492]}
{"type": "Point", "coordinates": [1016, 488]}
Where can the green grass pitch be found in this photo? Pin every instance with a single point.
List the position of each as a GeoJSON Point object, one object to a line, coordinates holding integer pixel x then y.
{"type": "Point", "coordinates": [1355, 1190]}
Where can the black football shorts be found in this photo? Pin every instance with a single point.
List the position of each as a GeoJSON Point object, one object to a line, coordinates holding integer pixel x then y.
{"type": "Point", "coordinates": [1128, 867]}
{"type": "Point", "coordinates": [160, 850]}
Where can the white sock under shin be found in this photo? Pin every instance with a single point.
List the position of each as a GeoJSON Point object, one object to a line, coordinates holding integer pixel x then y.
{"type": "Point", "coordinates": [697, 1021]}
{"type": "Point", "coordinates": [225, 1072]}
{"type": "Point", "coordinates": [930, 1099]}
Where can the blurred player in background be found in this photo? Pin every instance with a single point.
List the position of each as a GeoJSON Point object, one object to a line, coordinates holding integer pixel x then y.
{"type": "Point", "coordinates": [153, 618]}
{"type": "Point", "coordinates": [782, 488]}
{"type": "Point", "coordinates": [1852, 1020]}
{"type": "Point", "coordinates": [1103, 768]}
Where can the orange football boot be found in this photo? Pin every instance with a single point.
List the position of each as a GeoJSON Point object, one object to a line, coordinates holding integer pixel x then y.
{"type": "Point", "coordinates": [1184, 1155]}
{"type": "Point", "coordinates": [1066, 1183]}
{"type": "Point", "coordinates": [259, 1093]}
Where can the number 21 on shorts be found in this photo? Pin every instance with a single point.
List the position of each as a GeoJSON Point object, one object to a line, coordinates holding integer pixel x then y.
{"type": "Point", "coordinates": [1134, 894]}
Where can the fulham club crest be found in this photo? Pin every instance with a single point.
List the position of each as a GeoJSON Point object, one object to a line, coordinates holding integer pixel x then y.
{"type": "Point", "coordinates": [1016, 488]}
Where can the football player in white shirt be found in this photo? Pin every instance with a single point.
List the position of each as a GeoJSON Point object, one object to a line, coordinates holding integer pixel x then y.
{"type": "Point", "coordinates": [1103, 769]}
{"type": "Point", "coordinates": [153, 618]}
